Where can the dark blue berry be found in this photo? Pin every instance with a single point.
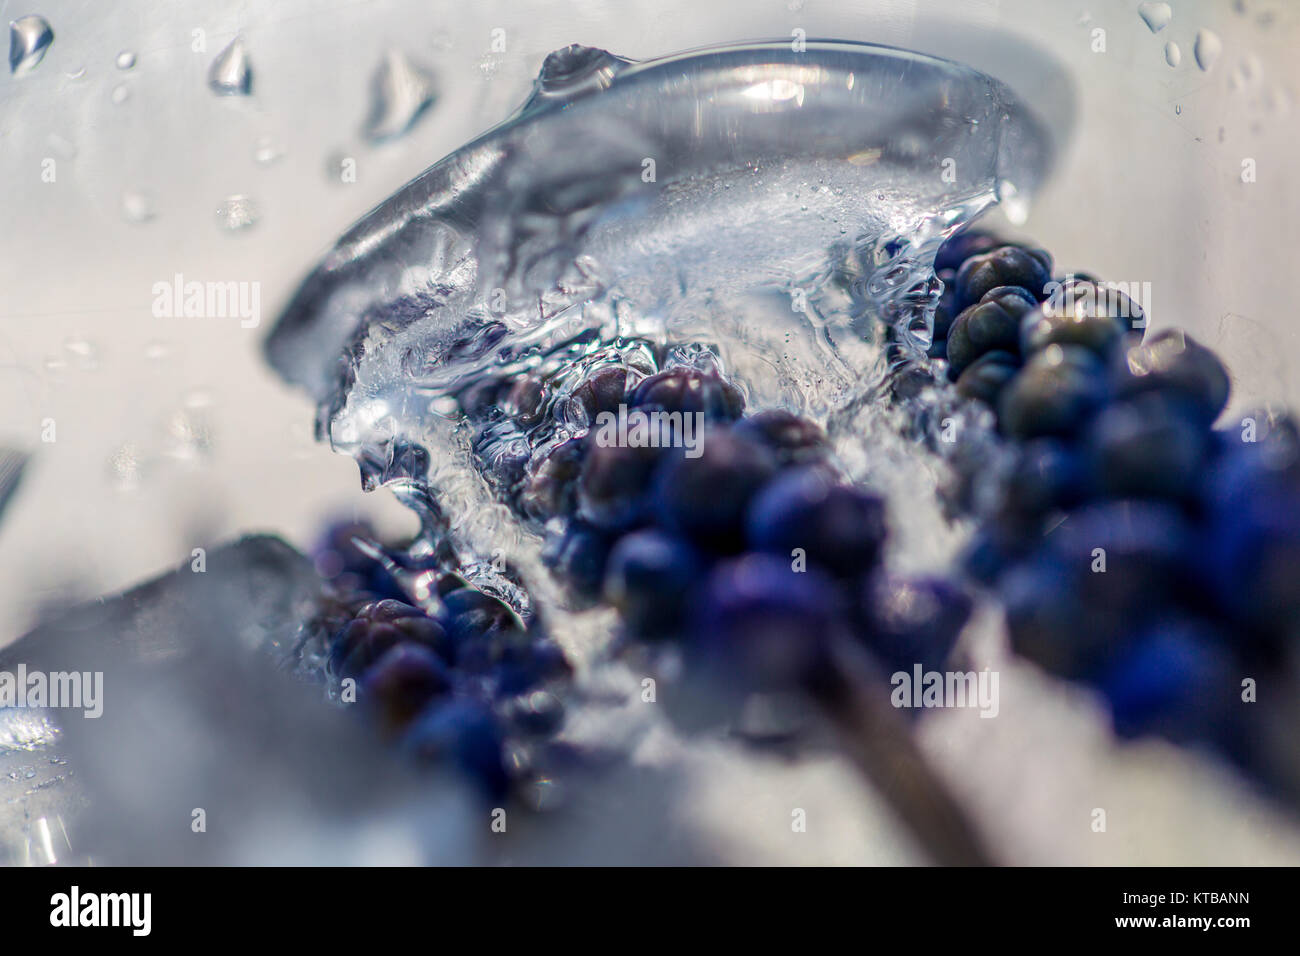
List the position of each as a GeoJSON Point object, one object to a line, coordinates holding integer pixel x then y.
{"type": "Point", "coordinates": [1175, 680]}
{"type": "Point", "coordinates": [689, 390]}
{"type": "Point", "coordinates": [399, 685]}
{"type": "Point", "coordinates": [380, 626]}
{"type": "Point", "coordinates": [528, 667]}
{"type": "Point", "coordinates": [990, 552]}
{"type": "Point", "coordinates": [601, 391]}
{"type": "Point", "coordinates": [613, 484]}
{"type": "Point", "coordinates": [649, 579]}
{"type": "Point", "coordinates": [552, 487]}
{"type": "Point", "coordinates": [1102, 574]}
{"type": "Point", "coordinates": [1251, 551]}
{"type": "Point", "coordinates": [467, 733]}
{"type": "Point", "coordinates": [986, 377]}
{"type": "Point", "coordinates": [350, 570]}
{"type": "Point", "coordinates": [1048, 623]}
{"type": "Point", "coordinates": [837, 527]}
{"type": "Point", "coordinates": [1174, 361]}
{"type": "Point", "coordinates": [1056, 392]}
{"type": "Point", "coordinates": [525, 400]}
{"type": "Point", "coordinates": [1046, 475]}
{"type": "Point", "coordinates": [1083, 314]}
{"type": "Point", "coordinates": [1030, 269]}
{"type": "Point", "coordinates": [762, 625]}
{"type": "Point", "coordinates": [962, 246]}
{"type": "Point", "coordinates": [483, 630]}
{"type": "Point", "coordinates": [990, 325]}
{"type": "Point", "coordinates": [1151, 445]}
{"type": "Point", "coordinates": [792, 438]}
{"type": "Point", "coordinates": [704, 499]}
{"type": "Point", "coordinates": [911, 621]}
{"type": "Point", "coordinates": [578, 555]}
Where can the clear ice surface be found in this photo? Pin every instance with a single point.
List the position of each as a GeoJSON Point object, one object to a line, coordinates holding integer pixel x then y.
{"type": "Point", "coordinates": [197, 714]}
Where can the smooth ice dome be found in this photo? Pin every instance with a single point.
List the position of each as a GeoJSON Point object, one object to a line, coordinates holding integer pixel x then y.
{"type": "Point", "coordinates": [758, 198]}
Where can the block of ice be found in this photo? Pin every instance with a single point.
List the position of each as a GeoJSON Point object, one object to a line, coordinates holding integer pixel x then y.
{"type": "Point", "coordinates": [199, 714]}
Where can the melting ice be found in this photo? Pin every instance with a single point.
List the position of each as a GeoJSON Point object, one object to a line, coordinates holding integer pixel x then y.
{"type": "Point", "coordinates": [751, 206]}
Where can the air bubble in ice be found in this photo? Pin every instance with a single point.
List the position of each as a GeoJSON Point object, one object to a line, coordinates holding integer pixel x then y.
{"type": "Point", "coordinates": [125, 60]}
{"type": "Point", "coordinates": [29, 39]}
{"type": "Point", "coordinates": [400, 94]}
{"type": "Point", "coordinates": [1173, 55]}
{"type": "Point", "coordinates": [231, 74]}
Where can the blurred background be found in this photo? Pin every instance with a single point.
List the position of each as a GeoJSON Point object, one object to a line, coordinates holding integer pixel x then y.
{"type": "Point", "coordinates": [1175, 135]}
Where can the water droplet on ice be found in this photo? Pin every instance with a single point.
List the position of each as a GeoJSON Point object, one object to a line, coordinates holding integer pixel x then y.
{"type": "Point", "coordinates": [1173, 55]}
{"type": "Point", "coordinates": [121, 93]}
{"type": "Point", "coordinates": [237, 213]}
{"type": "Point", "coordinates": [137, 206]}
{"type": "Point", "coordinates": [188, 435]}
{"type": "Point", "coordinates": [29, 38]}
{"type": "Point", "coordinates": [1207, 49]}
{"type": "Point", "coordinates": [125, 60]}
{"type": "Point", "coordinates": [198, 398]}
{"type": "Point", "coordinates": [65, 148]}
{"type": "Point", "coordinates": [1155, 15]}
{"type": "Point", "coordinates": [400, 93]}
{"type": "Point", "coordinates": [82, 351]}
{"type": "Point", "coordinates": [124, 468]}
{"type": "Point", "coordinates": [267, 151]}
{"type": "Point", "coordinates": [231, 74]}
